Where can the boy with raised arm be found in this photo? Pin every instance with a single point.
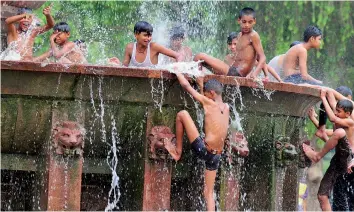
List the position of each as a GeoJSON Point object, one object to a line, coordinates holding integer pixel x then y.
{"type": "Point", "coordinates": [342, 139]}
{"type": "Point", "coordinates": [143, 52]}
{"type": "Point", "coordinates": [320, 123]}
{"type": "Point", "coordinates": [248, 50]}
{"type": "Point", "coordinates": [63, 50]}
{"type": "Point", "coordinates": [295, 59]}
{"type": "Point", "coordinates": [21, 40]}
{"type": "Point", "coordinates": [216, 125]}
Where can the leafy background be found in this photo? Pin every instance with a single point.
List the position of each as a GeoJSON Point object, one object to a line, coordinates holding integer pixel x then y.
{"type": "Point", "coordinates": [107, 27]}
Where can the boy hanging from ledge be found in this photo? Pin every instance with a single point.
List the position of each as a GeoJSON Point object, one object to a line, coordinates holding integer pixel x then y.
{"type": "Point", "coordinates": [216, 125]}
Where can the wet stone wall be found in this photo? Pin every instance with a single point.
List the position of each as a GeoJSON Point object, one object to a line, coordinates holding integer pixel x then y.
{"type": "Point", "coordinates": [117, 107]}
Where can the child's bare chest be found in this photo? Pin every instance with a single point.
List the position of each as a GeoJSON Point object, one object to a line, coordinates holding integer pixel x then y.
{"type": "Point", "coordinates": [244, 43]}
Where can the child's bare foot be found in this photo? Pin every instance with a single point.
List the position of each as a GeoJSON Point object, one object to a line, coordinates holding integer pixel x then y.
{"type": "Point", "coordinates": [310, 153]}
{"type": "Point", "coordinates": [171, 148]}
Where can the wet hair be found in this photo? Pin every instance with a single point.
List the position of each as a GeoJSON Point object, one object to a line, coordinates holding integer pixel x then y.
{"type": "Point", "coordinates": [61, 27]}
{"type": "Point", "coordinates": [231, 36]}
{"type": "Point", "coordinates": [247, 11]}
{"type": "Point", "coordinates": [346, 105]}
{"type": "Point", "coordinates": [294, 43]}
{"type": "Point", "coordinates": [345, 91]}
{"type": "Point", "coordinates": [143, 26]}
{"type": "Point", "coordinates": [213, 85]}
{"type": "Point", "coordinates": [24, 10]}
{"type": "Point", "coordinates": [177, 32]}
{"type": "Point", "coordinates": [311, 31]}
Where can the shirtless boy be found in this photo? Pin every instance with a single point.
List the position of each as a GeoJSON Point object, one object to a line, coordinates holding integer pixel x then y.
{"type": "Point", "coordinates": [320, 123]}
{"type": "Point", "coordinates": [216, 126]}
{"type": "Point", "coordinates": [21, 40]}
{"type": "Point", "coordinates": [144, 53]}
{"type": "Point", "coordinates": [177, 37]}
{"type": "Point", "coordinates": [231, 44]}
{"type": "Point", "coordinates": [63, 50]}
{"type": "Point", "coordinates": [342, 139]}
{"type": "Point", "coordinates": [249, 48]}
{"type": "Point", "coordinates": [277, 62]}
{"type": "Point", "coordinates": [230, 58]}
{"type": "Point", "coordinates": [297, 57]}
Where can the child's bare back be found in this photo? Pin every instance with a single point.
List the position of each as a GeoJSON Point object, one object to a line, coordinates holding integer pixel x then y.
{"type": "Point", "coordinates": [291, 60]}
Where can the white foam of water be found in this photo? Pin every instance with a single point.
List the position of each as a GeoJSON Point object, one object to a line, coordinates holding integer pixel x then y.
{"type": "Point", "coordinates": [114, 193]}
{"type": "Point", "coordinates": [190, 68]}
{"type": "Point", "coordinates": [157, 93]}
{"type": "Point", "coordinates": [12, 51]}
{"type": "Point", "coordinates": [232, 92]}
{"type": "Point", "coordinates": [266, 93]}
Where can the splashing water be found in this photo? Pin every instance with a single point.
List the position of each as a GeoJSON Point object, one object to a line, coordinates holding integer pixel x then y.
{"type": "Point", "coordinates": [233, 92]}
{"type": "Point", "coordinates": [280, 176]}
{"type": "Point", "coordinates": [267, 93]}
{"type": "Point", "coordinates": [112, 161]}
{"type": "Point", "coordinates": [157, 93]}
{"type": "Point", "coordinates": [66, 184]}
{"type": "Point", "coordinates": [12, 51]}
{"type": "Point", "coordinates": [190, 68]}
{"type": "Point", "coordinates": [57, 89]}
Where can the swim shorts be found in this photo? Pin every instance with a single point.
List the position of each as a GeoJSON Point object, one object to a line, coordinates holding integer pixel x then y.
{"type": "Point", "coordinates": [211, 160]}
{"type": "Point", "coordinates": [297, 79]}
{"type": "Point", "coordinates": [337, 167]}
{"type": "Point", "coordinates": [233, 71]}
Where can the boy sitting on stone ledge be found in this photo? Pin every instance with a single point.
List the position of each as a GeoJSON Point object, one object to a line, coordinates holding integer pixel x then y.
{"type": "Point", "coordinates": [63, 50]}
{"type": "Point", "coordinates": [143, 52]}
{"type": "Point", "coordinates": [20, 41]}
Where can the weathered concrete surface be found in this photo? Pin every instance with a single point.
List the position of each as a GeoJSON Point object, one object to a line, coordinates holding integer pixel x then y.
{"type": "Point", "coordinates": [157, 174]}
{"type": "Point", "coordinates": [115, 102]}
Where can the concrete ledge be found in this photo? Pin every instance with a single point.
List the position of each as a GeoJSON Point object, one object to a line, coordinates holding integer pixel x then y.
{"type": "Point", "coordinates": [23, 162]}
{"type": "Point", "coordinates": [146, 73]}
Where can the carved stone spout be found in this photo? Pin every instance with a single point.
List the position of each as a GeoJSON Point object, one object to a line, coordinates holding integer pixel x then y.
{"type": "Point", "coordinates": [68, 138]}
{"type": "Point", "coordinates": [156, 140]}
{"type": "Point", "coordinates": [286, 152]}
{"type": "Point", "coordinates": [238, 143]}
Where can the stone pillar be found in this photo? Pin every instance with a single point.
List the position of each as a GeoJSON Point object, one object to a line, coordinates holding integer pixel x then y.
{"type": "Point", "coordinates": [158, 167]}
{"type": "Point", "coordinates": [64, 183]}
{"type": "Point", "coordinates": [237, 147]}
{"type": "Point", "coordinates": [62, 190]}
{"type": "Point", "coordinates": [230, 188]}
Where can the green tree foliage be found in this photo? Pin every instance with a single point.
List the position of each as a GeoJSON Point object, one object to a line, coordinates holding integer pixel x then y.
{"type": "Point", "coordinates": [107, 27]}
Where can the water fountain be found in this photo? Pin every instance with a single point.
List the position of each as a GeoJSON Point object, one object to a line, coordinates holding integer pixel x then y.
{"type": "Point", "coordinates": [124, 111]}
{"type": "Point", "coordinates": [117, 110]}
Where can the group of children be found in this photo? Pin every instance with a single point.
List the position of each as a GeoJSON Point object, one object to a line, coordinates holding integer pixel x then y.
{"type": "Point", "coordinates": [339, 177]}
{"type": "Point", "coordinates": [246, 59]}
